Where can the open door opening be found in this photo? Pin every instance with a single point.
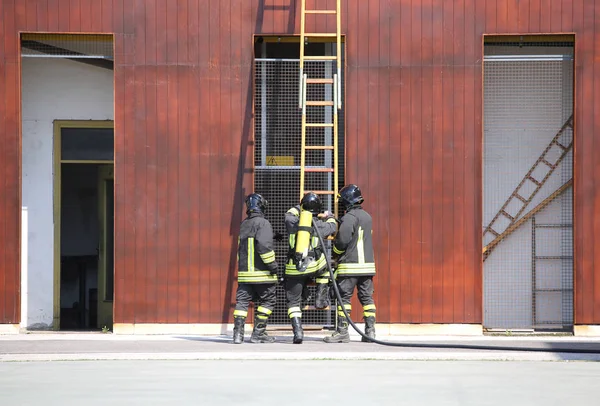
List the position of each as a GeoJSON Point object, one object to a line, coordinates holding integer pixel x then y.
{"type": "Point", "coordinates": [85, 228]}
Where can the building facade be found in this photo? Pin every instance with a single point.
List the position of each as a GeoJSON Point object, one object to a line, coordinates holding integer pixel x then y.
{"type": "Point", "coordinates": [427, 88]}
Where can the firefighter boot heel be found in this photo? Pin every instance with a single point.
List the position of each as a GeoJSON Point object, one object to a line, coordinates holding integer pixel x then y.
{"type": "Point", "coordinates": [341, 334]}
{"type": "Point", "coordinates": [238, 330]}
{"type": "Point", "coordinates": [259, 334]}
{"type": "Point", "coordinates": [297, 327]}
{"type": "Point", "coordinates": [369, 329]}
{"type": "Point", "coordinates": [322, 296]}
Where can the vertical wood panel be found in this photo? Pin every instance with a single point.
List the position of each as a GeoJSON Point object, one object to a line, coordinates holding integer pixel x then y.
{"type": "Point", "coordinates": [204, 163]}
{"type": "Point", "coordinates": [193, 179]}
{"type": "Point", "coordinates": [477, 177]}
{"type": "Point", "coordinates": [437, 240]}
{"type": "Point", "coordinates": [393, 288]}
{"type": "Point", "coordinates": [162, 134]}
{"type": "Point", "coordinates": [184, 152]}
{"type": "Point", "coordinates": [172, 225]}
{"type": "Point", "coordinates": [426, 240]}
{"type": "Point", "coordinates": [405, 161]}
{"type": "Point", "coordinates": [140, 194]}
{"type": "Point", "coordinates": [534, 15]}
{"type": "Point", "coordinates": [214, 116]}
{"type": "Point", "coordinates": [448, 226]}
{"type": "Point", "coordinates": [472, 161]}
{"type": "Point", "coordinates": [75, 16]}
{"type": "Point", "coordinates": [545, 15]}
{"type": "Point", "coordinates": [382, 182]}
{"type": "Point", "coordinates": [586, 195]}
{"type": "Point", "coordinates": [226, 148]}
{"type": "Point", "coordinates": [7, 293]}
{"type": "Point", "coordinates": [595, 278]}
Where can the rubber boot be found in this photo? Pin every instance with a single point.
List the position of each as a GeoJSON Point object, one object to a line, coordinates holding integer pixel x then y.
{"type": "Point", "coordinates": [238, 330]}
{"type": "Point", "coordinates": [298, 333]}
{"type": "Point", "coordinates": [369, 329]}
{"type": "Point", "coordinates": [341, 334]}
{"type": "Point", "coordinates": [259, 334]}
{"type": "Point", "coordinates": [322, 296]}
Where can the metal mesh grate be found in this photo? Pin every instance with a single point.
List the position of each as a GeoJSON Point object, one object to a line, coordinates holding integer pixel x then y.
{"type": "Point", "coordinates": [81, 46]}
{"type": "Point", "coordinates": [528, 171]}
{"type": "Point", "coordinates": [278, 148]}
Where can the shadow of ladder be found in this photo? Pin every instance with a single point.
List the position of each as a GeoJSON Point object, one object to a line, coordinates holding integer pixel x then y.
{"type": "Point", "coordinates": [516, 220]}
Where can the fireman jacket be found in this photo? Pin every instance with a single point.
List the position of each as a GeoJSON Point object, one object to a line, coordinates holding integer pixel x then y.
{"type": "Point", "coordinates": [353, 247]}
{"type": "Point", "coordinates": [256, 258]}
{"type": "Point", "coordinates": [327, 228]}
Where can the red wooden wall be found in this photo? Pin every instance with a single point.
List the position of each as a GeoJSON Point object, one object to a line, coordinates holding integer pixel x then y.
{"type": "Point", "coordinates": [183, 127]}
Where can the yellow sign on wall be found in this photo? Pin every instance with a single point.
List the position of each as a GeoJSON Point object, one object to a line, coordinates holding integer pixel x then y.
{"type": "Point", "coordinates": [273, 160]}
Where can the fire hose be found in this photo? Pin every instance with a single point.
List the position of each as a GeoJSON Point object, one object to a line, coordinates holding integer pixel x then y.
{"type": "Point", "coordinates": [436, 345]}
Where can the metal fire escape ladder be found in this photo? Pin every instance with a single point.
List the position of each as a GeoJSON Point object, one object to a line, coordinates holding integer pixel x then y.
{"type": "Point", "coordinates": [332, 101]}
{"type": "Point", "coordinates": [515, 195]}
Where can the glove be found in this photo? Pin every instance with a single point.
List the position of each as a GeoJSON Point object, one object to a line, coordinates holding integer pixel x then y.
{"type": "Point", "coordinates": [274, 268]}
{"type": "Point", "coordinates": [278, 237]}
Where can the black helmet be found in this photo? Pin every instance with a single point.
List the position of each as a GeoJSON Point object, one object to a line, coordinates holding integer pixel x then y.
{"type": "Point", "coordinates": [255, 202]}
{"type": "Point", "coordinates": [312, 203]}
{"type": "Point", "coordinates": [350, 195]}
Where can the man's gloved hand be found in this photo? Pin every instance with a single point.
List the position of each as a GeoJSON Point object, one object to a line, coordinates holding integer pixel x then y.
{"type": "Point", "coordinates": [325, 215]}
{"type": "Point", "coordinates": [274, 268]}
{"type": "Point", "coordinates": [278, 237]}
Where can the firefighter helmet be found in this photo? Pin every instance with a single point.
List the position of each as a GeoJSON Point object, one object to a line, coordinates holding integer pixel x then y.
{"type": "Point", "coordinates": [312, 203]}
{"type": "Point", "coordinates": [350, 195]}
{"type": "Point", "coordinates": [255, 202]}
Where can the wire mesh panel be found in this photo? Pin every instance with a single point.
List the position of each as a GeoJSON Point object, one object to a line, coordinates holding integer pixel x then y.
{"type": "Point", "coordinates": [92, 46]}
{"type": "Point", "coordinates": [528, 175]}
{"type": "Point", "coordinates": [278, 123]}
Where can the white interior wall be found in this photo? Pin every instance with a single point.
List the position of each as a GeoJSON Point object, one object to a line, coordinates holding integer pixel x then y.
{"type": "Point", "coordinates": [525, 104]}
{"type": "Point", "coordinates": [52, 89]}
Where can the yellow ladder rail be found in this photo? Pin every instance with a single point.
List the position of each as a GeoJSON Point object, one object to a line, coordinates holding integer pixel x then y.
{"type": "Point", "coordinates": [334, 102]}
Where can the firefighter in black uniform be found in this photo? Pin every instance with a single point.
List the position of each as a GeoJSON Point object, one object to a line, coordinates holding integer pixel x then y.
{"type": "Point", "coordinates": [297, 279]}
{"type": "Point", "coordinates": [354, 258]}
{"type": "Point", "coordinates": [257, 272]}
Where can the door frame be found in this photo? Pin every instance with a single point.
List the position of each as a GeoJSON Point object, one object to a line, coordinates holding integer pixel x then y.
{"type": "Point", "coordinates": [105, 306]}
{"type": "Point", "coordinates": [57, 191]}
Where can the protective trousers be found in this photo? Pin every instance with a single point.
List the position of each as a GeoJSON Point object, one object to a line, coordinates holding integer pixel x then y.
{"type": "Point", "coordinates": [365, 287]}
{"type": "Point", "coordinates": [264, 297]}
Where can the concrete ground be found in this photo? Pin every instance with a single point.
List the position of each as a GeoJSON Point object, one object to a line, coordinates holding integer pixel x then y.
{"type": "Point", "coordinates": [288, 382]}
{"type": "Point", "coordinates": [98, 346]}
{"type": "Point", "coordinates": [97, 369]}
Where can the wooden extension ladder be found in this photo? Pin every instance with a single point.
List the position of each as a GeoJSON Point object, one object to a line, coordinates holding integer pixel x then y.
{"type": "Point", "coordinates": [332, 101]}
{"type": "Point", "coordinates": [515, 219]}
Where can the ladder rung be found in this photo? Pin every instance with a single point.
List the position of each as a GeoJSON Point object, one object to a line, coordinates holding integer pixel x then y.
{"type": "Point", "coordinates": [318, 169]}
{"type": "Point", "coordinates": [319, 147]}
{"type": "Point", "coordinates": [561, 145]}
{"type": "Point", "coordinates": [521, 198]}
{"type": "Point", "coordinates": [548, 163]}
{"type": "Point", "coordinates": [491, 230]}
{"type": "Point", "coordinates": [507, 215]}
{"type": "Point", "coordinates": [534, 180]}
{"type": "Point", "coordinates": [322, 192]}
{"type": "Point", "coordinates": [320, 58]}
{"type": "Point", "coordinates": [321, 81]}
{"type": "Point", "coordinates": [319, 124]}
{"type": "Point", "coordinates": [320, 34]}
{"type": "Point", "coordinates": [320, 11]}
{"type": "Point", "coordinates": [318, 103]}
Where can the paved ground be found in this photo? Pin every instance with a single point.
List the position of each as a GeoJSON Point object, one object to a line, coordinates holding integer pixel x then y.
{"type": "Point", "coordinates": [53, 346]}
{"type": "Point", "coordinates": [303, 383]}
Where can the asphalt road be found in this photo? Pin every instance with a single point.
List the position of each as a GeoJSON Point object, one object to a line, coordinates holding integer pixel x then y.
{"type": "Point", "coordinates": [303, 383]}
